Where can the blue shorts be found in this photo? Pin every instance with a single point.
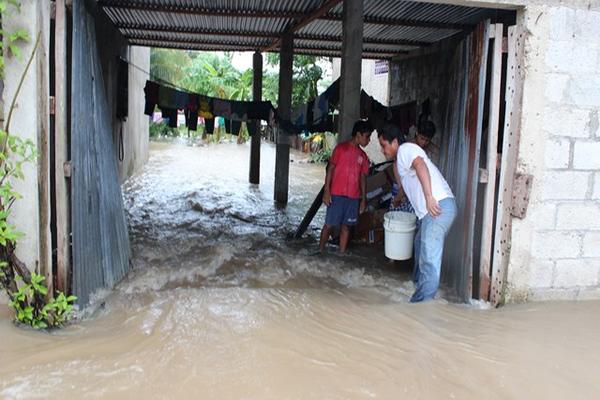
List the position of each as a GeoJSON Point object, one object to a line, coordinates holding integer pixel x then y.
{"type": "Point", "coordinates": [342, 211]}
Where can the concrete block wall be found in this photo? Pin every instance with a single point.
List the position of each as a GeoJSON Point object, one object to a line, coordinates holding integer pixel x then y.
{"type": "Point", "coordinates": [555, 250]}
{"type": "Point", "coordinates": [26, 120]}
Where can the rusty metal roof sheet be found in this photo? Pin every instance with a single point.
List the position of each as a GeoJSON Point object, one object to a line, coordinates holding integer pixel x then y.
{"type": "Point", "coordinates": [391, 27]}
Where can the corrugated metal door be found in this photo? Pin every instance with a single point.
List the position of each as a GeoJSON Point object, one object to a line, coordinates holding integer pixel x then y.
{"type": "Point", "coordinates": [460, 150]}
{"type": "Point", "coordinates": [100, 240]}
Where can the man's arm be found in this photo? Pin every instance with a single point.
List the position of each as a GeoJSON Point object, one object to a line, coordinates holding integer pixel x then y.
{"type": "Point", "coordinates": [328, 177]}
{"type": "Point", "coordinates": [422, 171]}
{"type": "Point", "coordinates": [363, 193]}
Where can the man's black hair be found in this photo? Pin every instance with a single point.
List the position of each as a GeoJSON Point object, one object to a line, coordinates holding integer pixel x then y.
{"type": "Point", "coordinates": [426, 128]}
{"type": "Point", "coordinates": [361, 126]}
{"type": "Point", "coordinates": [390, 132]}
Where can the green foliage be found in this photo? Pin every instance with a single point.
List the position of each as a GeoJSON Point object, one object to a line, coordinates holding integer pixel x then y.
{"type": "Point", "coordinates": [12, 39]}
{"type": "Point", "coordinates": [306, 74]}
{"type": "Point", "coordinates": [28, 298]}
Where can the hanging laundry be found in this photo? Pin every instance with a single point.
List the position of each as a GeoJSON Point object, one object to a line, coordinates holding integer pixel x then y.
{"type": "Point", "coordinates": [259, 110]}
{"type": "Point", "coordinates": [209, 125]}
{"type": "Point", "coordinates": [171, 115]}
{"type": "Point", "coordinates": [205, 107]}
{"type": "Point", "coordinates": [151, 92]}
{"type": "Point", "coordinates": [235, 127]}
{"type": "Point", "coordinates": [222, 108]}
{"type": "Point", "coordinates": [227, 124]}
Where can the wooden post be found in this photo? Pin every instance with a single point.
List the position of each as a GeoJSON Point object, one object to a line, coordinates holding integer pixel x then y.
{"type": "Point", "coordinates": [257, 66]}
{"type": "Point", "coordinates": [510, 145]}
{"type": "Point", "coordinates": [60, 149]}
{"type": "Point", "coordinates": [352, 41]}
{"type": "Point", "coordinates": [282, 155]}
{"type": "Point", "coordinates": [43, 156]}
{"type": "Point", "coordinates": [496, 32]}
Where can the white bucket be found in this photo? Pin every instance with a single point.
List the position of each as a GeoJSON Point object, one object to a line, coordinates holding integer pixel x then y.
{"type": "Point", "coordinates": [399, 234]}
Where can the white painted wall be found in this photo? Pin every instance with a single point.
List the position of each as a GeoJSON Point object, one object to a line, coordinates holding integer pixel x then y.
{"type": "Point", "coordinates": [135, 128]}
{"type": "Point", "coordinates": [554, 251]}
{"type": "Point", "coordinates": [376, 86]}
{"type": "Point", "coordinates": [25, 121]}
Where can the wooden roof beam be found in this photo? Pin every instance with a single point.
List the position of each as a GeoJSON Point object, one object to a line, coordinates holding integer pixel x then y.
{"type": "Point", "coordinates": [316, 14]}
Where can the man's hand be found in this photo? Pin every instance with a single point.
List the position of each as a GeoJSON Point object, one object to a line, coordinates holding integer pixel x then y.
{"type": "Point", "coordinates": [327, 198]}
{"type": "Point", "coordinates": [433, 208]}
{"type": "Point", "coordinates": [363, 206]}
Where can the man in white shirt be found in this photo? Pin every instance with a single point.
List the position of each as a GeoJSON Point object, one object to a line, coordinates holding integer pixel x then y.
{"type": "Point", "coordinates": [434, 204]}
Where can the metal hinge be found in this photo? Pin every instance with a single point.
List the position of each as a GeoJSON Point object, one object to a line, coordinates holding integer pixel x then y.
{"type": "Point", "coordinates": [52, 105]}
{"type": "Point", "coordinates": [520, 195]}
{"type": "Point", "coordinates": [67, 169]}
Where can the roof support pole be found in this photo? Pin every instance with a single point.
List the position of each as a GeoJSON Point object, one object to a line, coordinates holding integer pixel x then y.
{"type": "Point", "coordinates": [352, 41]}
{"type": "Point", "coordinates": [282, 151]}
{"type": "Point", "coordinates": [257, 68]}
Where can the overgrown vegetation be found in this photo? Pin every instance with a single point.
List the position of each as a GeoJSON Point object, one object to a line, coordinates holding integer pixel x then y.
{"type": "Point", "coordinates": [28, 294]}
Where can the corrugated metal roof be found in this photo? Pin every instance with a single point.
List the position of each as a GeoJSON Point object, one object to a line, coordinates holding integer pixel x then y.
{"type": "Point", "coordinates": [391, 27]}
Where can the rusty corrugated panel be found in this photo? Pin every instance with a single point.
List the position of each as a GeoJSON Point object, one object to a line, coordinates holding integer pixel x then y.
{"type": "Point", "coordinates": [461, 149]}
{"type": "Point", "coordinates": [100, 239]}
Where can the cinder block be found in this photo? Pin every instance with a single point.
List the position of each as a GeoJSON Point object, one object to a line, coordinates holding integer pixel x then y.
{"type": "Point", "coordinates": [565, 185]}
{"type": "Point", "coordinates": [543, 215]}
{"type": "Point", "coordinates": [588, 24]}
{"type": "Point", "coordinates": [556, 84]}
{"type": "Point", "coordinates": [541, 273]}
{"type": "Point", "coordinates": [554, 244]}
{"type": "Point", "coordinates": [557, 153]}
{"type": "Point", "coordinates": [566, 121]}
{"type": "Point", "coordinates": [584, 90]}
{"type": "Point", "coordinates": [562, 23]}
{"type": "Point", "coordinates": [579, 272]}
{"type": "Point", "coordinates": [571, 56]}
{"type": "Point", "coordinates": [591, 244]}
{"type": "Point", "coordinates": [586, 155]}
{"type": "Point", "coordinates": [580, 216]}
{"type": "Point", "coordinates": [596, 192]}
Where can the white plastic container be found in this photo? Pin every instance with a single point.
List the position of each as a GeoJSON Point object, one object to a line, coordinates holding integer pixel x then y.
{"type": "Point", "coordinates": [399, 234]}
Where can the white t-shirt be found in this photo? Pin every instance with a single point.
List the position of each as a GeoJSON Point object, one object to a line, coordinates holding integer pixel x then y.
{"type": "Point", "coordinates": [440, 190]}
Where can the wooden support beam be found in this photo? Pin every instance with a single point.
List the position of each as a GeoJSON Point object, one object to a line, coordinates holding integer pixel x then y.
{"type": "Point", "coordinates": [282, 150]}
{"type": "Point", "coordinates": [257, 70]}
{"type": "Point", "coordinates": [61, 149]}
{"type": "Point", "coordinates": [350, 81]}
{"type": "Point", "coordinates": [310, 214]}
{"type": "Point", "coordinates": [319, 12]}
{"type": "Point", "coordinates": [43, 159]}
{"type": "Point", "coordinates": [512, 128]}
{"type": "Point", "coordinates": [492, 159]}
{"type": "Point", "coordinates": [195, 10]}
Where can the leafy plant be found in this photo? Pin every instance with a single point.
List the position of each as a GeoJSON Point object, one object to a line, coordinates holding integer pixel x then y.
{"type": "Point", "coordinates": [32, 309]}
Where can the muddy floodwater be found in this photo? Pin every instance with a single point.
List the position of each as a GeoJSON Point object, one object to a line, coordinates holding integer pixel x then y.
{"type": "Point", "coordinates": [219, 305]}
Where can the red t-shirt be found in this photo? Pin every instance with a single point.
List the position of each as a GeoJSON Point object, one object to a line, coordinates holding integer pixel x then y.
{"type": "Point", "coordinates": [350, 163]}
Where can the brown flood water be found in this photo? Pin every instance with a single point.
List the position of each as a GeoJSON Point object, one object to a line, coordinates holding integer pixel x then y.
{"type": "Point", "coordinates": [220, 306]}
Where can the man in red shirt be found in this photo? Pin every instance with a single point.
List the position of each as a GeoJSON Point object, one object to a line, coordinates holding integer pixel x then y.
{"type": "Point", "coordinates": [346, 183]}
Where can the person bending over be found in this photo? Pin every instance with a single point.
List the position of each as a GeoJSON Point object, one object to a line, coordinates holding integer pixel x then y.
{"type": "Point", "coordinates": [434, 205]}
{"type": "Point", "coordinates": [345, 184]}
